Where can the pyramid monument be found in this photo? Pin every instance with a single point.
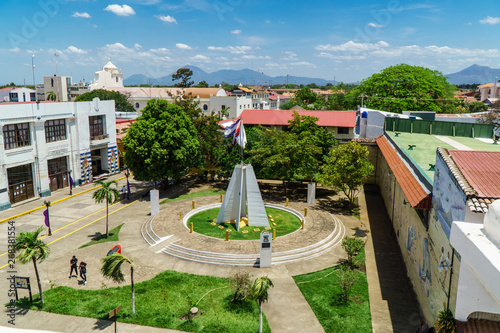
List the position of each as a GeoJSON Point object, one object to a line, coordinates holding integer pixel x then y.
{"type": "Point", "coordinates": [243, 203]}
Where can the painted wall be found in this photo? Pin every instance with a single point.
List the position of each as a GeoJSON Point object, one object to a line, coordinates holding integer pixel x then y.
{"type": "Point", "coordinates": [426, 252]}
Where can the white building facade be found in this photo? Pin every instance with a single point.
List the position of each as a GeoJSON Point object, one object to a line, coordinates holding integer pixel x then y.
{"type": "Point", "coordinates": [107, 77]}
{"type": "Point", "coordinates": [43, 144]}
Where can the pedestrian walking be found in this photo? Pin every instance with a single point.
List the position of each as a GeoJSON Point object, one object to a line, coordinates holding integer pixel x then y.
{"type": "Point", "coordinates": [124, 192]}
{"type": "Point", "coordinates": [83, 272]}
{"type": "Point", "coordinates": [73, 263]}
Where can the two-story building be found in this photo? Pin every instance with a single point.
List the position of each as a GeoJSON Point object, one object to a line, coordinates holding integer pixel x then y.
{"type": "Point", "coordinates": [44, 144]}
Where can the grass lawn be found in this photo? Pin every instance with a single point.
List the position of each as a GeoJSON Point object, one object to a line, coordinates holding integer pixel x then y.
{"type": "Point", "coordinates": [113, 237]}
{"type": "Point", "coordinates": [195, 195]}
{"type": "Point", "coordinates": [285, 224]}
{"type": "Point", "coordinates": [322, 292]}
{"type": "Point", "coordinates": [160, 302]}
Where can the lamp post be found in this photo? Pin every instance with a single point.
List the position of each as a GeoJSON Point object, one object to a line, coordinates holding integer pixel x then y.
{"type": "Point", "coordinates": [47, 204]}
{"type": "Point", "coordinates": [127, 173]}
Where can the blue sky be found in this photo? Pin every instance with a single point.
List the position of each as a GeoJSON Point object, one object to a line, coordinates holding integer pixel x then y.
{"type": "Point", "coordinates": [348, 40]}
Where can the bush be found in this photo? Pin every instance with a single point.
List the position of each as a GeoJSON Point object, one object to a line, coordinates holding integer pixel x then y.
{"type": "Point", "coordinates": [347, 279]}
{"type": "Point", "coordinates": [352, 246]}
{"type": "Point", "coordinates": [446, 322]}
{"type": "Point", "coordinates": [240, 283]}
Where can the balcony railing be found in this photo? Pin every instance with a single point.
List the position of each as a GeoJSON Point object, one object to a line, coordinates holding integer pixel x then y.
{"type": "Point", "coordinates": [99, 137]}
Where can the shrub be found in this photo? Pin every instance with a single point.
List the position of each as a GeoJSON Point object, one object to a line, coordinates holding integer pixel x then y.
{"type": "Point", "coordinates": [352, 246]}
{"type": "Point", "coordinates": [240, 283]}
{"type": "Point", "coordinates": [446, 322]}
{"type": "Point", "coordinates": [347, 279]}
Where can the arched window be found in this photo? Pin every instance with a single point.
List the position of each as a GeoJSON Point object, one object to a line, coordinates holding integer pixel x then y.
{"type": "Point", "coordinates": [205, 107]}
{"type": "Point", "coordinates": [136, 105]}
{"type": "Point", "coordinates": [117, 79]}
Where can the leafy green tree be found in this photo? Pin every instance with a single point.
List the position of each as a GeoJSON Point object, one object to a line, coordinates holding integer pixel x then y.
{"type": "Point", "coordinates": [162, 143]}
{"type": "Point", "coordinates": [405, 88]}
{"type": "Point", "coordinates": [121, 102]}
{"type": "Point", "coordinates": [202, 84]}
{"type": "Point", "coordinates": [184, 75]}
{"type": "Point", "coordinates": [51, 96]}
{"type": "Point", "coordinates": [288, 105]}
{"type": "Point", "coordinates": [346, 168]}
{"type": "Point", "coordinates": [210, 138]}
{"type": "Point", "coordinates": [260, 293]}
{"type": "Point", "coordinates": [305, 96]}
{"type": "Point", "coordinates": [31, 249]}
{"type": "Point", "coordinates": [477, 107]}
{"type": "Point", "coordinates": [112, 269]}
{"type": "Point", "coordinates": [106, 193]}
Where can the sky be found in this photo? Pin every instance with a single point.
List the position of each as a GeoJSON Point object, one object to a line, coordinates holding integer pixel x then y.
{"type": "Point", "coordinates": [335, 40]}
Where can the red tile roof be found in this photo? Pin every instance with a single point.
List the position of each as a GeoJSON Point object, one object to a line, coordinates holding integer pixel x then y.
{"type": "Point", "coordinates": [122, 124]}
{"type": "Point", "coordinates": [414, 192]}
{"type": "Point", "coordinates": [481, 169]}
{"type": "Point", "coordinates": [281, 117]}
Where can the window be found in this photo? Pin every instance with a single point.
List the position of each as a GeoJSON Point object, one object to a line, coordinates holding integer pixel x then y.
{"type": "Point", "coordinates": [33, 97]}
{"type": "Point", "coordinates": [13, 97]}
{"type": "Point", "coordinates": [136, 105]}
{"type": "Point", "coordinates": [117, 79]}
{"type": "Point", "coordinates": [96, 127]}
{"type": "Point", "coordinates": [223, 107]}
{"type": "Point", "coordinates": [51, 82]}
{"type": "Point", "coordinates": [16, 135]}
{"type": "Point", "coordinates": [55, 130]}
{"type": "Point", "coordinates": [205, 107]}
{"type": "Point", "coordinates": [342, 130]}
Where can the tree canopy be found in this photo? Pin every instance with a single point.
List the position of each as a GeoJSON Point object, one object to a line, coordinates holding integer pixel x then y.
{"type": "Point", "coordinates": [121, 102]}
{"type": "Point", "coordinates": [184, 75]}
{"type": "Point", "coordinates": [346, 168]}
{"type": "Point", "coordinates": [406, 88]}
{"type": "Point", "coordinates": [162, 143]}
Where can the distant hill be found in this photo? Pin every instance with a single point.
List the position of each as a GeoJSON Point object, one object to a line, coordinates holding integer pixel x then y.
{"type": "Point", "coordinates": [474, 74]}
{"type": "Point", "coordinates": [244, 76]}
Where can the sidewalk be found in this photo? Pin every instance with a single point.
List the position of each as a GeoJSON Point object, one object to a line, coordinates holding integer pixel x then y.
{"type": "Point", "coordinates": [393, 304]}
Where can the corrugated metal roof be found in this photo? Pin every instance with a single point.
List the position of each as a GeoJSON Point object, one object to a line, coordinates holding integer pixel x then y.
{"type": "Point", "coordinates": [481, 169]}
{"type": "Point", "coordinates": [413, 190]}
{"type": "Point", "coordinates": [281, 117]}
{"type": "Point", "coordinates": [480, 326]}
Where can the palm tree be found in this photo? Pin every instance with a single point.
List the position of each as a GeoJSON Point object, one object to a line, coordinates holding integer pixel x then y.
{"type": "Point", "coordinates": [106, 192]}
{"type": "Point", "coordinates": [32, 249]}
{"type": "Point", "coordinates": [51, 96]}
{"type": "Point", "coordinates": [112, 268]}
{"type": "Point", "coordinates": [259, 293]}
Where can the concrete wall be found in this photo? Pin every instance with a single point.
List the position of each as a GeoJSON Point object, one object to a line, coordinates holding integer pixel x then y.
{"type": "Point", "coordinates": [423, 249]}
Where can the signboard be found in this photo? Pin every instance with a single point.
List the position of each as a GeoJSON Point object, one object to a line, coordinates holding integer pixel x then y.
{"type": "Point", "coordinates": [114, 312]}
{"type": "Point", "coordinates": [21, 282]}
{"type": "Point", "coordinates": [155, 201]}
{"type": "Point", "coordinates": [266, 249]}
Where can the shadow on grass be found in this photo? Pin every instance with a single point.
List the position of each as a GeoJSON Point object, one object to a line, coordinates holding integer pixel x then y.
{"type": "Point", "coordinates": [243, 306]}
{"type": "Point", "coordinates": [98, 238]}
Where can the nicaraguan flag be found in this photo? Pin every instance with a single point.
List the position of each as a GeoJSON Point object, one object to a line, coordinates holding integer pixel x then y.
{"type": "Point", "coordinates": [240, 135]}
{"type": "Point", "coordinates": [230, 128]}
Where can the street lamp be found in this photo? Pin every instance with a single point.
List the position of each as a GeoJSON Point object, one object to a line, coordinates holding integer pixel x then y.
{"type": "Point", "coordinates": [127, 173]}
{"type": "Point", "coordinates": [33, 72]}
{"type": "Point", "coordinates": [47, 218]}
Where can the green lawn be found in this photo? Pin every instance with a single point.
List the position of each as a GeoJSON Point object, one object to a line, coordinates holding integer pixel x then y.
{"type": "Point", "coordinates": [321, 292]}
{"type": "Point", "coordinates": [160, 302]}
{"type": "Point", "coordinates": [113, 237]}
{"type": "Point", "coordinates": [195, 195]}
{"type": "Point", "coordinates": [285, 224]}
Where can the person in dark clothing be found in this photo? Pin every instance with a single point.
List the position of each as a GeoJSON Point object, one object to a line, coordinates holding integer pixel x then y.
{"type": "Point", "coordinates": [73, 263]}
{"type": "Point", "coordinates": [83, 272]}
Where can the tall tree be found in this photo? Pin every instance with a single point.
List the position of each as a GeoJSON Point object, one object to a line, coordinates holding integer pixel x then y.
{"type": "Point", "coordinates": [108, 194]}
{"type": "Point", "coordinates": [32, 249]}
{"type": "Point", "coordinates": [405, 88]}
{"type": "Point", "coordinates": [346, 168]}
{"type": "Point", "coordinates": [183, 74]}
{"type": "Point", "coordinates": [112, 269]}
{"type": "Point", "coordinates": [305, 96]}
{"type": "Point", "coordinates": [121, 101]}
{"type": "Point", "coordinates": [162, 143]}
{"type": "Point", "coordinates": [260, 293]}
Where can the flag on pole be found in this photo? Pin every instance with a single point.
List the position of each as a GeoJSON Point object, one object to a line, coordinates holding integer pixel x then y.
{"type": "Point", "coordinates": [70, 183]}
{"type": "Point", "coordinates": [236, 129]}
{"type": "Point", "coordinates": [46, 214]}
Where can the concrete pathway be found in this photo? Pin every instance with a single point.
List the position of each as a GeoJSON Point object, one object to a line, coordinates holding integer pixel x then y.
{"type": "Point", "coordinates": [453, 143]}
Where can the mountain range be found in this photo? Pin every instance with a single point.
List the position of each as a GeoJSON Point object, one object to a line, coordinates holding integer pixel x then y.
{"type": "Point", "coordinates": [244, 76]}
{"type": "Point", "coordinates": [474, 74]}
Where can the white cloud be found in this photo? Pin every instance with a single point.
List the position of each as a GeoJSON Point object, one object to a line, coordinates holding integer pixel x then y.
{"type": "Point", "coordinates": [303, 63]}
{"type": "Point", "coordinates": [200, 58]}
{"type": "Point", "coordinates": [74, 49]}
{"type": "Point", "coordinates": [253, 57]}
{"type": "Point", "coordinates": [352, 46]}
{"type": "Point", "coordinates": [490, 20]}
{"type": "Point", "coordinates": [137, 46]}
{"type": "Point", "coordinates": [16, 49]}
{"type": "Point", "coordinates": [375, 25]}
{"type": "Point", "coordinates": [168, 18]}
{"type": "Point", "coordinates": [290, 56]}
{"type": "Point", "coordinates": [236, 32]}
{"type": "Point", "coordinates": [231, 49]}
{"type": "Point", "coordinates": [160, 50]}
{"type": "Point", "coordinates": [83, 15]}
{"type": "Point", "coordinates": [124, 10]}
{"type": "Point", "coordinates": [183, 46]}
